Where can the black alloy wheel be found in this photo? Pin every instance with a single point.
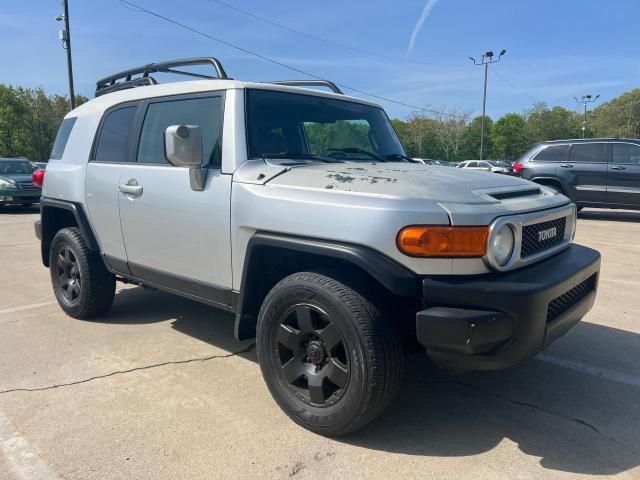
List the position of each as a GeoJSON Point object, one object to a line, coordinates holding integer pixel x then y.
{"type": "Point", "coordinates": [312, 354]}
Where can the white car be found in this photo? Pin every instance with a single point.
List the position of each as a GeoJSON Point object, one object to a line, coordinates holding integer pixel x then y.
{"type": "Point", "coordinates": [493, 166]}
{"type": "Point", "coordinates": [298, 211]}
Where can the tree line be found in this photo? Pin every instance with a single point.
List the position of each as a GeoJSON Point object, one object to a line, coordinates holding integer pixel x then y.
{"type": "Point", "coordinates": [29, 120]}
{"type": "Point", "coordinates": [454, 135]}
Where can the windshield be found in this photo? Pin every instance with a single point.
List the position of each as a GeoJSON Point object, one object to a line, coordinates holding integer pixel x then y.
{"type": "Point", "coordinates": [16, 167]}
{"type": "Point", "coordinates": [292, 125]}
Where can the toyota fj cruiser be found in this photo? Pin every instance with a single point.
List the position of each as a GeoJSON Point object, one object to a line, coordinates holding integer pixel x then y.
{"type": "Point", "coordinates": [298, 211]}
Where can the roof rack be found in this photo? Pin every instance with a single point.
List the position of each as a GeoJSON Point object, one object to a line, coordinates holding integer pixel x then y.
{"type": "Point", "coordinates": [124, 80]}
{"type": "Point", "coordinates": [310, 83]}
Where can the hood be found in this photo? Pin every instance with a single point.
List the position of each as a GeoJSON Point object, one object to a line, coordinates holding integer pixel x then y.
{"type": "Point", "coordinates": [426, 182]}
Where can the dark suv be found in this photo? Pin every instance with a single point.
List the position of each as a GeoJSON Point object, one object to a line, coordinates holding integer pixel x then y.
{"type": "Point", "coordinates": [594, 172]}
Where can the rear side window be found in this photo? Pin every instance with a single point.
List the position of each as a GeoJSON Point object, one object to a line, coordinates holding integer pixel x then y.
{"type": "Point", "coordinates": [588, 153]}
{"type": "Point", "coordinates": [553, 153]}
{"type": "Point", "coordinates": [472, 165]}
{"type": "Point", "coordinates": [114, 135]}
{"type": "Point", "coordinates": [626, 153]}
{"type": "Point", "coordinates": [61, 138]}
{"type": "Point", "coordinates": [205, 112]}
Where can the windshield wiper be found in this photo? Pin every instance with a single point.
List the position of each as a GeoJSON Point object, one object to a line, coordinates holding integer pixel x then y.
{"type": "Point", "coordinates": [402, 157]}
{"type": "Point", "coordinates": [375, 156]}
{"type": "Point", "coordinates": [300, 156]}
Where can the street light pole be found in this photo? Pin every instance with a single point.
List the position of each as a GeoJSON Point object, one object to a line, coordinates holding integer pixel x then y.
{"type": "Point", "coordinates": [585, 99]}
{"type": "Point", "coordinates": [65, 37]}
{"type": "Point", "coordinates": [485, 60]}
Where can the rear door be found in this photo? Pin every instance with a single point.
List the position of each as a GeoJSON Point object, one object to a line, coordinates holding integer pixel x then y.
{"type": "Point", "coordinates": [110, 153]}
{"type": "Point", "coordinates": [175, 236]}
{"type": "Point", "coordinates": [623, 185]}
{"type": "Point", "coordinates": [585, 172]}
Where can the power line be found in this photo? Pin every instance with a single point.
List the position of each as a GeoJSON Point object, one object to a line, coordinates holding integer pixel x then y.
{"type": "Point", "coordinates": [328, 42]}
{"type": "Point", "coordinates": [276, 62]}
{"type": "Point", "coordinates": [501, 77]}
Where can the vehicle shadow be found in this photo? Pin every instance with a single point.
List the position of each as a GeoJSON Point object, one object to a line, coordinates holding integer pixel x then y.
{"type": "Point", "coordinates": [610, 215]}
{"type": "Point", "coordinates": [574, 421]}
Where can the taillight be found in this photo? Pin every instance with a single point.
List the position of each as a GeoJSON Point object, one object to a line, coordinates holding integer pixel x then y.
{"type": "Point", "coordinates": [37, 177]}
{"type": "Point", "coordinates": [517, 167]}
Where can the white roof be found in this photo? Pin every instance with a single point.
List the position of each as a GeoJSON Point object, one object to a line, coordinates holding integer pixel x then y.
{"type": "Point", "coordinates": [103, 102]}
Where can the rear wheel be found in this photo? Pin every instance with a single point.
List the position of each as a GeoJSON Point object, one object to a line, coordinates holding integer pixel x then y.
{"type": "Point", "coordinates": [82, 285]}
{"type": "Point", "coordinates": [329, 357]}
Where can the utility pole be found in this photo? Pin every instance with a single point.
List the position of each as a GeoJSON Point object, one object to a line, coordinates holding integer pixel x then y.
{"type": "Point", "coordinates": [485, 60]}
{"type": "Point", "coordinates": [65, 38]}
{"type": "Point", "coordinates": [585, 99]}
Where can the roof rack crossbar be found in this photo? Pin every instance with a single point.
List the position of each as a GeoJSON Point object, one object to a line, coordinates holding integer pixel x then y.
{"type": "Point", "coordinates": [136, 82]}
{"type": "Point", "coordinates": [310, 83]}
{"type": "Point", "coordinates": [126, 80]}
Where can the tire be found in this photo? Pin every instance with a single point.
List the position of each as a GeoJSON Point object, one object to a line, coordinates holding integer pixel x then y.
{"type": "Point", "coordinates": [81, 283]}
{"type": "Point", "coordinates": [329, 357]}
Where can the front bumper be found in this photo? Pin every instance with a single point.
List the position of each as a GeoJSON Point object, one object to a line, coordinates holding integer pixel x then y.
{"type": "Point", "coordinates": [18, 196]}
{"type": "Point", "coordinates": [493, 321]}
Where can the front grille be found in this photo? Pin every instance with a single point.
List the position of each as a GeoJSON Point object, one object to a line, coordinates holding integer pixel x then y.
{"type": "Point", "coordinates": [564, 302]}
{"type": "Point", "coordinates": [537, 238]}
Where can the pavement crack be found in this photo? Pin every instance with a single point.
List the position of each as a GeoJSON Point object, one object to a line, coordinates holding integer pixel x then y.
{"type": "Point", "coordinates": [129, 370]}
{"type": "Point", "coordinates": [520, 403]}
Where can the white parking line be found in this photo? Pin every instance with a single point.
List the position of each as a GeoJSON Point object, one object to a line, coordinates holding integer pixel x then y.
{"type": "Point", "coordinates": [25, 307]}
{"type": "Point", "coordinates": [589, 370]}
{"type": "Point", "coordinates": [26, 464]}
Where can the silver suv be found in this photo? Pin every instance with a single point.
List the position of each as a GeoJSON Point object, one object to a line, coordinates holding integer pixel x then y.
{"type": "Point", "coordinates": [298, 211]}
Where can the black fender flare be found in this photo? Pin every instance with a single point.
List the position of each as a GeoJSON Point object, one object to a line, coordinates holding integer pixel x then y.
{"type": "Point", "coordinates": [48, 207]}
{"type": "Point", "coordinates": [395, 277]}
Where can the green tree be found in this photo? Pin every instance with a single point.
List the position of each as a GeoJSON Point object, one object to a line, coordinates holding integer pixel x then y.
{"type": "Point", "coordinates": [619, 117]}
{"type": "Point", "coordinates": [509, 136]}
{"type": "Point", "coordinates": [470, 146]}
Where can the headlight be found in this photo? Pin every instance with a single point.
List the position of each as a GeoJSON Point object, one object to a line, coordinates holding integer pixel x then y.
{"type": "Point", "coordinates": [7, 184]}
{"type": "Point", "coordinates": [501, 244]}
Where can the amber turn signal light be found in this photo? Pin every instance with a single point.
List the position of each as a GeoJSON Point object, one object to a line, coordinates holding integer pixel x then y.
{"type": "Point", "coordinates": [427, 241]}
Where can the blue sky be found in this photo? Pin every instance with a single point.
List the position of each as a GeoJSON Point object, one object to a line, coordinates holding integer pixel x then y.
{"type": "Point", "coordinates": [555, 49]}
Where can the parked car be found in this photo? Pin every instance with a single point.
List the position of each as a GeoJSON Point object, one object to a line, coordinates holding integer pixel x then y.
{"type": "Point", "coordinates": [594, 172]}
{"type": "Point", "coordinates": [333, 251]}
{"type": "Point", "coordinates": [493, 166]}
{"type": "Point", "coordinates": [16, 187]}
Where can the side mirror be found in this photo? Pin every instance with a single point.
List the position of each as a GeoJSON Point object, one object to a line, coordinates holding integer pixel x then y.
{"type": "Point", "coordinates": [183, 148]}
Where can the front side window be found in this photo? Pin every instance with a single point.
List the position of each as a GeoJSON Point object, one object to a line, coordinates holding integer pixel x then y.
{"type": "Point", "coordinates": [114, 135]}
{"type": "Point", "coordinates": [626, 153]}
{"type": "Point", "coordinates": [299, 126]}
{"type": "Point", "coordinates": [205, 112]}
{"type": "Point", "coordinates": [472, 165]}
{"type": "Point", "coordinates": [588, 153]}
{"type": "Point", "coordinates": [61, 138]}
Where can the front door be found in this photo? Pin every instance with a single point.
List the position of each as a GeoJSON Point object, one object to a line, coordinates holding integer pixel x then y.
{"type": "Point", "coordinates": [623, 186]}
{"type": "Point", "coordinates": [174, 236]}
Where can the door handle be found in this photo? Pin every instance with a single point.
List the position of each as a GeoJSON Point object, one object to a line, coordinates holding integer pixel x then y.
{"type": "Point", "coordinates": [131, 188]}
{"type": "Point", "coordinates": [618, 167]}
{"type": "Point", "coordinates": [566, 165]}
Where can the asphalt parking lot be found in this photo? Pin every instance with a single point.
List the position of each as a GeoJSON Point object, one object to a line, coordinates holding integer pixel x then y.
{"type": "Point", "coordinates": [160, 389]}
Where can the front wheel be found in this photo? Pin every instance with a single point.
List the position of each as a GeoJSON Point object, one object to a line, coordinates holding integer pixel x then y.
{"type": "Point", "coordinates": [82, 284]}
{"type": "Point", "coordinates": [331, 360]}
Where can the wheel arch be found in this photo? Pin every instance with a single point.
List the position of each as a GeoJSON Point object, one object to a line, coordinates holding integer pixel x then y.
{"type": "Point", "coordinates": [271, 257]}
{"type": "Point", "coordinates": [58, 214]}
